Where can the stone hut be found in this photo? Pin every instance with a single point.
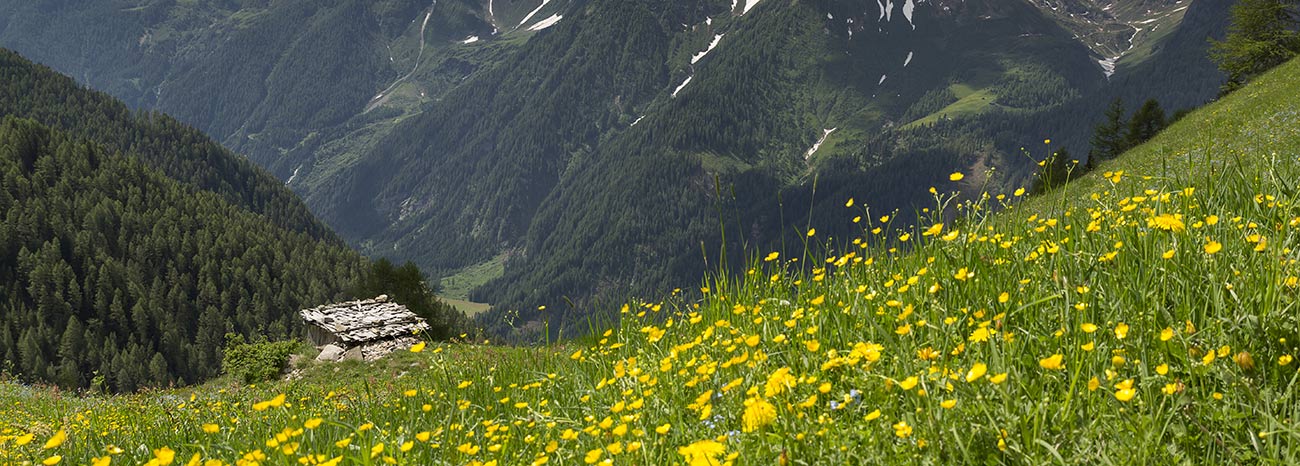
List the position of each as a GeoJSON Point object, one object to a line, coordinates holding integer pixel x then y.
{"type": "Point", "coordinates": [365, 329]}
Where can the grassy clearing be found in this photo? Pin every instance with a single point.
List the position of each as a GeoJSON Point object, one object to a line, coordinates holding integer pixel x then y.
{"type": "Point", "coordinates": [1145, 314]}
{"type": "Point", "coordinates": [458, 286]}
{"type": "Point", "coordinates": [470, 308]}
{"type": "Point", "coordinates": [971, 101]}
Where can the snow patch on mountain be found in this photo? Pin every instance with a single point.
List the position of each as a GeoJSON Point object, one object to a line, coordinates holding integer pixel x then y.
{"type": "Point", "coordinates": [548, 22]}
{"type": "Point", "coordinates": [533, 13]}
{"type": "Point", "coordinates": [825, 134]}
{"type": "Point", "coordinates": [683, 86]}
{"type": "Point", "coordinates": [908, 60]}
{"type": "Point", "coordinates": [700, 56]}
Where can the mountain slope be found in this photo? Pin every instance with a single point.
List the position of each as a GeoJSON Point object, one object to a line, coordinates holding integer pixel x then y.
{"type": "Point", "coordinates": [559, 137]}
{"type": "Point", "coordinates": [1142, 314]}
{"type": "Point", "coordinates": [131, 244]}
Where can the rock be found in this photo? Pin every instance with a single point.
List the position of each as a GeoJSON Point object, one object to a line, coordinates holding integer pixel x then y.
{"type": "Point", "coordinates": [330, 353]}
{"type": "Point", "coordinates": [353, 354]}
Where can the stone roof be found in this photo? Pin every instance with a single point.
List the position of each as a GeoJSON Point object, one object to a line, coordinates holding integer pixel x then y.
{"type": "Point", "coordinates": [359, 322]}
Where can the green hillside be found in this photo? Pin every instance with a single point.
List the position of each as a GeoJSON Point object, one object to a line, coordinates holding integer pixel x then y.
{"type": "Point", "coordinates": [1144, 314]}
{"type": "Point", "coordinates": [130, 244]}
{"type": "Point", "coordinates": [456, 132]}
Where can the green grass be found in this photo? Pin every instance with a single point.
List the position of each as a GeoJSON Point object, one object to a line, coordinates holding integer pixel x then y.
{"type": "Point", "coordinates": [1144, 314]}
{"type": "Point", "coordinates": [971, 101]}
{"type": "Point", "coordinates": [457, 286]}
{"type": "Point", "coordinates": [470, 308]}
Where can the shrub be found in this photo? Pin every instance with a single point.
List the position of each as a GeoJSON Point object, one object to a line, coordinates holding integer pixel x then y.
{"type": "Point", "coordinates": [255, 362]}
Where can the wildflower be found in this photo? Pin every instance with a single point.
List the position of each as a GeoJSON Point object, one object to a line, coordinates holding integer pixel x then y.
{"type": "Point", "coordinates": [1212, 247]}
{"type": "Point", "coordinates": [779, 382]}
{"type": "Point", "coordinates": [908, 383]}
{"type": "Point", "coordinates": [53, 460]}
{"type": "Point", "coordinates": [313, 423]}
{"type": "Point", "coordinates": [1284, 360]}
{"type": "Point", "coordinates": [1169, 389]}
{"type": "Point", "coordinates": [1121, 330]}
{"type": "Point", "coordinates": [702, 453]}
{"type": "Point", "coordinates": [812, 232]}
{"type": "Point", "coordinates": [948, 404]}
{"type": "Point", "coordinates": [1124, 391]}
{"type": "Point", "coordinates": [998, 379]}
{"type": "Point", "coordinates": [1093, 384]}
{"type": "Point", "coordinates": [58, 439]}
{"type": "Point", "coordinates": [758, 414]}
{"type": "Point", "coordinates": [956, 176]}
{"type": "Point", "coordinates": [976, 372]}
{"type": "Point", "coordinates": [101, 461]}
{"type": "Point", "coordinates": [662, 430]}
{"type": "Point", "coordinates": [1052, 363]}
{"type": "Point", "coordinates": [1166, 334]}
{"type": "Point", "coordinates": [979, 335]}
{"type": "Point", "coordinates": [1162, 369]}
{"type": "Point", "coordinates": [211, 428]}
{"type": "Point", "coordinates": [418, 347]}
{"type": "Point", "coordinates": [162, 457]}
{"type": "Point", "coordinates": [902, 430]}
{"type": "Point", "coordinates": [1167, 222]}
{"type": "Point", "coordinates": [276, 402]}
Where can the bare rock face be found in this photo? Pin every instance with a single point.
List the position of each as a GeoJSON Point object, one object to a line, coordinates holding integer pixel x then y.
{"type": "Point", "coordinates": [330, 353]}
{"type": "Point", "coordinates": [352, 354]}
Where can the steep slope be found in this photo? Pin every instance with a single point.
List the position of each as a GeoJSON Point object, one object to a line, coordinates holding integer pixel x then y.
{"type": "Point", "coordinates": [130, 244]}
{"type": "Point", "coordinates": [466, 133]}
{"type": "Point", "coordinates": [1143, 314]}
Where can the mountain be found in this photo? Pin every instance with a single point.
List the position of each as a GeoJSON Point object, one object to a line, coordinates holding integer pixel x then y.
{"type": "Point", "coordinates": [132, 244]}
{"type": "Point", "coordinates": [587, 150]}
{"type": "Point", "coordinates": [1143, 313]}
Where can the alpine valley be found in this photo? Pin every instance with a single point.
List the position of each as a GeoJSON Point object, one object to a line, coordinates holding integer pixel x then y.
{"type": "Point", "coordinates": [573, 153]}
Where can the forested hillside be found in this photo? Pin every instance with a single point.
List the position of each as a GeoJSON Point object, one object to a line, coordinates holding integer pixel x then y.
{"type": "Point", "coordinates": [131, 244]}
{"type": "Point", "coordinates": [599, 148]}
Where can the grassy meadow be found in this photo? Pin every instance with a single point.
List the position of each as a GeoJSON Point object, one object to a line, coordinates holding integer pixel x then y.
{"type": "Point", "coordinates": [1144, 314]}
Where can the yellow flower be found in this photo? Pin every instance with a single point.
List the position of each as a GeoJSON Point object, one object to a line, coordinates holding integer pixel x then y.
{"type": "Point", "coordinates": [1162, 369]}
{"type": "Point", "coordinates": [1166, 334]}
{"type": "Point", "coordinates": [376, 450]}
{"type": "Point", "coordinates": [956, 176]}
{"type": "Point", "coordinates": [1121, 330]}
{"type": "Point", "coordinates": [771, 257]}
{"type": "Point", "coordinates": [1052, 363]}
{"type": "Point", "coordinates": [871, 416]}
{"type": "Point", "coordinates": [758, 414]}
{"type": "Point", "coordinates": [313, 423]}
{"type": "Point", "coordinates": [1212, 247]}
{"type": "Point", "coordinates": [1211, 220]}
{"type": "Point", "coordinates": [276, 402]}
{"type": "Point", "coordinates": [163, 456]}
{"type": "Point", "coordinates": [1124, 391]}
{"type": "Point", "coordinates": [779, 382]}
{"type": "Point", "coordinates": [1284, 360]}
{"type": "Point", "coordinates": [849, 203]}
{"type": "Point", "coordinates": [53, 460]}
{"type": "Point", "coordinates": [998, 379]}
{"type": "Point", "coordinates": [1167, 222]}
{"type": "Point", "coordinates": [908, 383]}
{"type": "Point", "coordinates": [211, 428]}
{"type": "Point", "coordinates": [343, 443]}
{"type": "Point", "coordinates": [902, 430]}
{"type": "Point", "coordinates": [976, 372]}
{"type": "Point", "coordinates": [1170, 389]}
{"type": "Point", "coordinates": [418, 347]}
{"type": "Point", "coordinates": [948, 404]}
{"type": "Point", "coordinates": [812, 345]}
{"type": "Point", "coordinates": [702, 453]}
{"type": "Point", "coordinates": [661, 430]}
{"type": "Point", "coordinates": [1093, 384]}
{"type": "Point", "coordinates": [58, 439]}
{"type": "Point", "coordinates": [1169, 254]}
{"type": "Point", "coordinates": [812, 232]}
{"type": "Point", "coordinates": [101, 461]}
{"type": "Point", "coordinates": [1088, 327]}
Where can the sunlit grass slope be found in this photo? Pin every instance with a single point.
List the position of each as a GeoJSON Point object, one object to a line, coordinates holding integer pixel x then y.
{"type": "Point", "coordinates": [1145, 314]}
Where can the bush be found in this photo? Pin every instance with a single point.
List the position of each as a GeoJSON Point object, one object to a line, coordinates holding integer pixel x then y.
{"type": "Point", "coordinates": [255, 362]}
